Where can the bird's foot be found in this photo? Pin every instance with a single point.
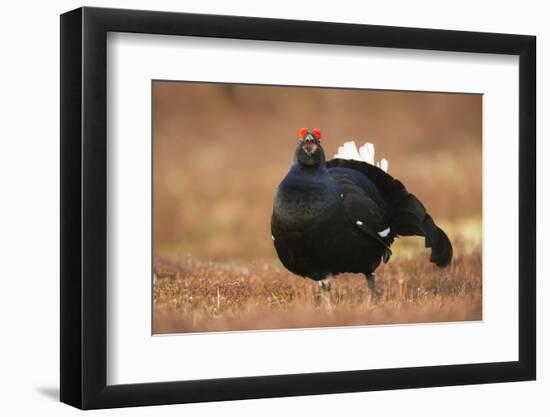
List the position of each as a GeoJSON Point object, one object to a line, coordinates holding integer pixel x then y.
{"type": "Point", "coordinates": [325, 291]}
{"type": "Point", "coordinates": [374, 293]}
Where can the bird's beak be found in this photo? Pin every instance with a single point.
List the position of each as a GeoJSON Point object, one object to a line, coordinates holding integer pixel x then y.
{"type": "Point", "coordinates": [309, 145]}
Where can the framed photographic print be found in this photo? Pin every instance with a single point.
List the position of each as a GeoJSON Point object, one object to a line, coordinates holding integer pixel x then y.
{"type": "Point", "coordinates": [257, 207]}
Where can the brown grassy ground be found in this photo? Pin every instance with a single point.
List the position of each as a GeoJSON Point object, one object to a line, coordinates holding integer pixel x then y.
{"type": "Point", "coordinates": [219, 153]}
{"type": "Point", "coordinates": [192, 296]}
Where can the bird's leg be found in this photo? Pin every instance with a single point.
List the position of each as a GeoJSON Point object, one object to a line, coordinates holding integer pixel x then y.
{"type": "Point", "coordinates": [371, 282]}
{"type": "Point", "coordinates": [325, 289]}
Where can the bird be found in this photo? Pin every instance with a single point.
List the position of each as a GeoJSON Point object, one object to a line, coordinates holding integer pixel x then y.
{"type": "Point", "coordinates": [343, 215]}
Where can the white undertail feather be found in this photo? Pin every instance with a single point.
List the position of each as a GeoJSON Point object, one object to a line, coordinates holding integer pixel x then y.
{"type": "Point", "coordinates": [365, 154]}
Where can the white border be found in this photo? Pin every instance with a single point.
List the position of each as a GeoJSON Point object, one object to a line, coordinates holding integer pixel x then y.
{"type": "Point", "coordinates": [134, 356]}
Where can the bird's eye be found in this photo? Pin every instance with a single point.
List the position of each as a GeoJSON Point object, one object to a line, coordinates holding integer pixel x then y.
{"type": "Point", "coordinates": [317, 134]}
{"type": "Point", "coordinates": [302, 133]}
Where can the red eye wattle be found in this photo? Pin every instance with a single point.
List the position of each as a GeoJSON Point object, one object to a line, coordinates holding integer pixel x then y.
{"type": "Point", "coordinates": [303, 132]}
{"type": "Point", "coordinates": [317, 133]}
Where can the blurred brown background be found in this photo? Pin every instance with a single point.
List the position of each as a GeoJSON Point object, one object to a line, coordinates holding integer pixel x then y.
{"type": "Point", "coordinates": [220, 150]}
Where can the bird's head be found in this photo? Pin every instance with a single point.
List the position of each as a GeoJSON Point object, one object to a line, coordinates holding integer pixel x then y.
{"type": "Point", "coordinates": [309, 151]}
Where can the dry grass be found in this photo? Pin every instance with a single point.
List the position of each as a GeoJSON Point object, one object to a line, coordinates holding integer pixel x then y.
{"type": "Point", "coordinates": [190, 296]}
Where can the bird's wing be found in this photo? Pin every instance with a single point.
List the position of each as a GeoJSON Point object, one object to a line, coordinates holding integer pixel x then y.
{"type": "Point", "coordinates": [364, 212]}
{"type": "Point", "coordinates": [405, 213]}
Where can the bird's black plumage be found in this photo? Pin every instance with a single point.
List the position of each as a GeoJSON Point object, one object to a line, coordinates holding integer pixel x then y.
{"type": "Point", "coordinates": [330, 217]}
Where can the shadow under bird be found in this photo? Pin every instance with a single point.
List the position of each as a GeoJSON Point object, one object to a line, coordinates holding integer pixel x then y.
{"type": "Point", "coordinates": [343, 215]}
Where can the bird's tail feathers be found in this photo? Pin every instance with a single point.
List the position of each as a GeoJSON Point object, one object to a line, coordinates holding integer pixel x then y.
{"type": "Point", "coordinates": [442, 250]}
{"type": "Point", "coordinates": [411, 219]}
{"type": "Point", "coordinates": [365, 153]}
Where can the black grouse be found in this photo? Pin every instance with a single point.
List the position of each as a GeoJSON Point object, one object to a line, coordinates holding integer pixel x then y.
{"type": "Point", "coordinates": [343, 215]}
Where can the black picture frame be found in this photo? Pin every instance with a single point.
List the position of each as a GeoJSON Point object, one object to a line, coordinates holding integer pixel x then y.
{"type": "Point", "coordinates": [84, 207]}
